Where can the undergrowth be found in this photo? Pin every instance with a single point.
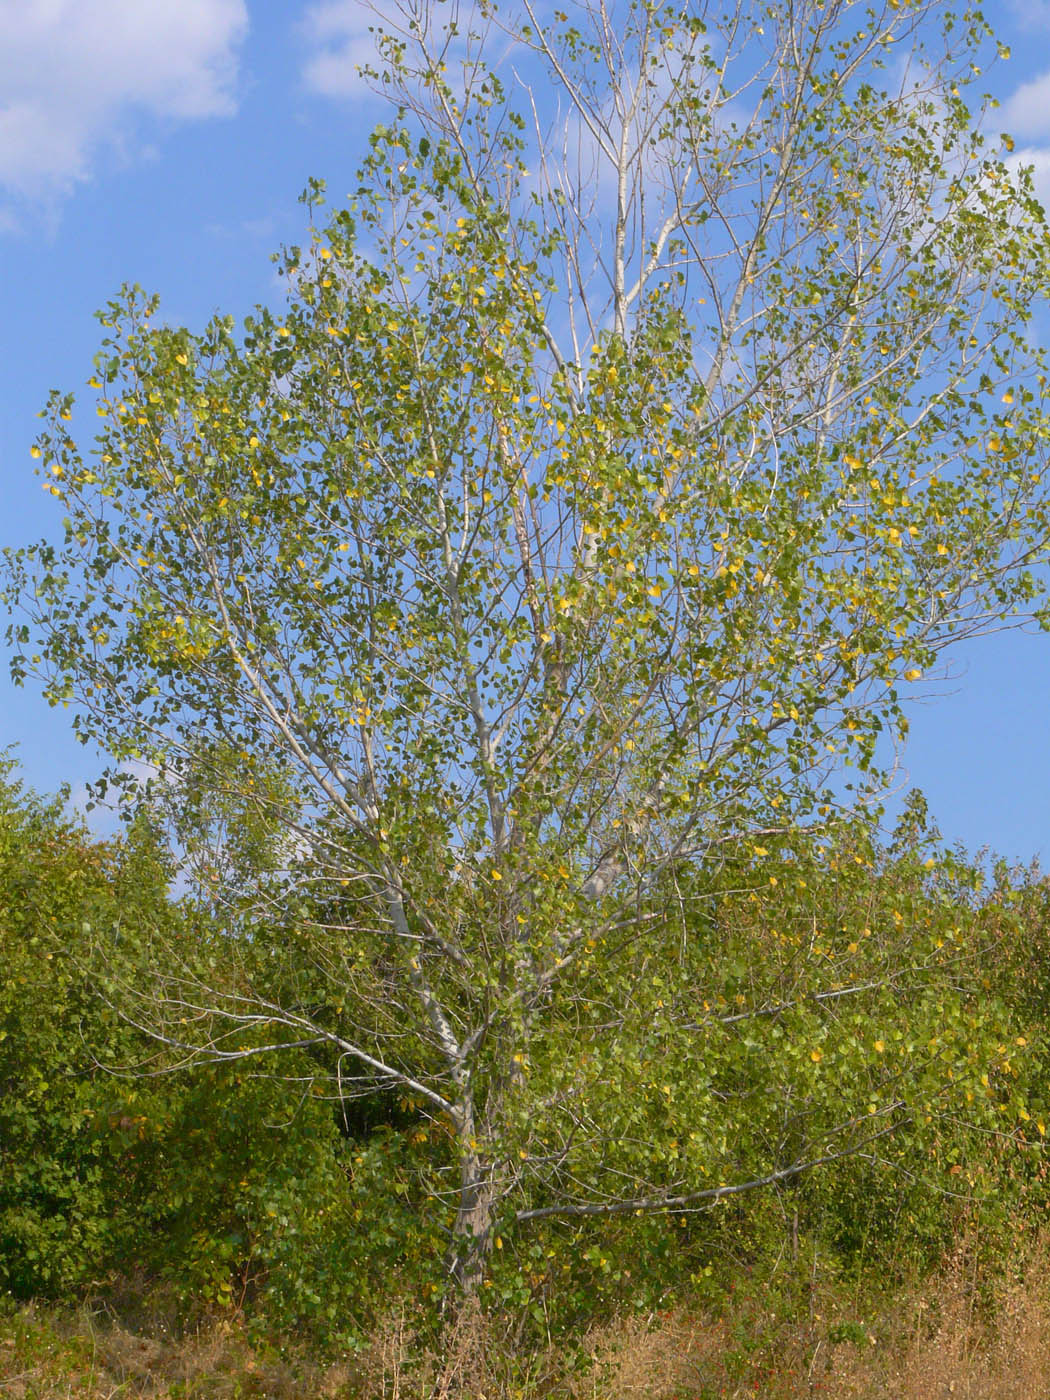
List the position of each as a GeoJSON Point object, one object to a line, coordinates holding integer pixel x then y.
{"type": "Point", "coordinates": [970, 1331]}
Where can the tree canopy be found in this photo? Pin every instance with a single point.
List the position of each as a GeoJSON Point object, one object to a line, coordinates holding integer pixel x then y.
{"type": "Point", "coordinates": [617, 462]}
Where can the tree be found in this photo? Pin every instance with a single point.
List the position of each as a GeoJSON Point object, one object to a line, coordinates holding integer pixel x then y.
{"type": "Point", "coordinates": [609, 477]}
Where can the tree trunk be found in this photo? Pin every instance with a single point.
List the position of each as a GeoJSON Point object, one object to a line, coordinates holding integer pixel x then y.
{"type": "Point", "coordinates": [472, 1232]}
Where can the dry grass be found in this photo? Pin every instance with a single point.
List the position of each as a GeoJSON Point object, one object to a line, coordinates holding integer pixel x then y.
{"type": "Point", "coordinates": [953, 1338]}
{"type": "Point", "coordinates": [969, 1351]}
{"type": "Point", "coordinates": [635, 1358]}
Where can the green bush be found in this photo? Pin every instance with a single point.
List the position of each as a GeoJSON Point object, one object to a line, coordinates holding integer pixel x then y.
{"type": "Point", "coordinates": [836, 982]}
{"type": "Point", "coordinates": [68, 1130]}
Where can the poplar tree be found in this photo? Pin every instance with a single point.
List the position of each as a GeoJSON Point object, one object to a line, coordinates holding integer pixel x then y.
{"type": "Point", "coordinates": [660, 406]}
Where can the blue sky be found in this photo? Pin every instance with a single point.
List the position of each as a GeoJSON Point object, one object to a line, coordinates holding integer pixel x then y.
{"type": "Point", "coordinates": [165, 142]}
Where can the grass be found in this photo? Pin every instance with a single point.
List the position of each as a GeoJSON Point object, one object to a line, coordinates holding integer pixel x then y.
{"type": "Point", "coordinates": [957, 1335]}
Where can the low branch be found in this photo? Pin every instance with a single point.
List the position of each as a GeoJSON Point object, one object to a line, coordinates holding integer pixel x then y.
{"type": "Point", "coordinates": [698, 1199]}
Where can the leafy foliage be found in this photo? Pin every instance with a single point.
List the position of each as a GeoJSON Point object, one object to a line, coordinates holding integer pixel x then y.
{"type": "Point", "coordinates": [67, 1131]}
{"type": "Point", "coordinates": [539, 567]}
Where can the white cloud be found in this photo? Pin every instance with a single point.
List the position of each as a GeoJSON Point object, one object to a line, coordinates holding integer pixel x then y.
{"type": "Point", "coordinates": [340, 37]}
{"type": "Point", "coordinates": [74, 74]}
{"type": "Point", "coordinates": [1027, 112]}
{"type": "Point", "coordinates": [1038, 158]}
{"type": "Point", "coordinates": [337, 32]}
{"type": "Point", "coordinates": [1031, 14]}
{"type": "Point", "coordinates": [102, 818]}
{"type": "Point", "coordinates": [1025, 115]}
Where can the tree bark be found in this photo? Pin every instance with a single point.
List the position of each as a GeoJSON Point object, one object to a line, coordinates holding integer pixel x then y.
{"type": "Point", "coordinates": [472, 1232]}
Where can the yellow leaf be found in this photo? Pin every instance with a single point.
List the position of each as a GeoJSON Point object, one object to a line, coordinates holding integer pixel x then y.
{"type": "Point", "coordinates": [880, 1046]}
{"type": "Point", "coordinates": [816, 1056]}
{"type": "Point", "coordinates": [913, 674]}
